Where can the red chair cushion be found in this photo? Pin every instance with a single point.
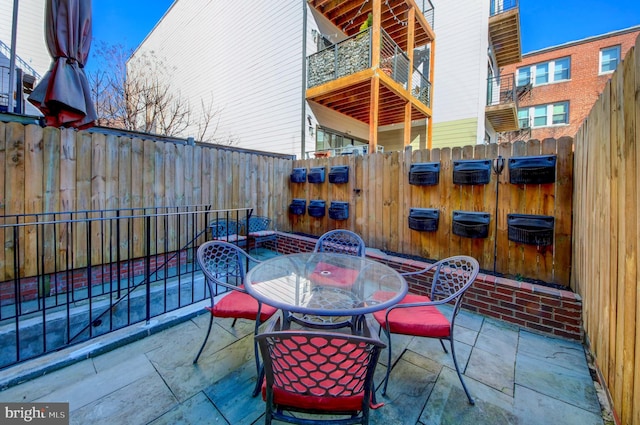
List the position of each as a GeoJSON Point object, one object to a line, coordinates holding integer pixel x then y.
{"type": "Point", "coordinates": [310, 402]}
{"type": "Point", "coordinates": [332, 275]}
{"type": "Point", "coordinates": [424, 321]}
{"type": "Point", "coordinates": [240, 305]}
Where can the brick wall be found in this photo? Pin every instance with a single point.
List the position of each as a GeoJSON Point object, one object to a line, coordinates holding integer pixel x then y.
{"type": "Point", "coordinates": [537, 308]}
{"type": "Point", "coordinates": [583, 87]}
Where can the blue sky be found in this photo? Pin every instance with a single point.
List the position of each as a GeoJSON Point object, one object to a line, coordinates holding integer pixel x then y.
{"type": "Point", "coordinates": [543, 23]}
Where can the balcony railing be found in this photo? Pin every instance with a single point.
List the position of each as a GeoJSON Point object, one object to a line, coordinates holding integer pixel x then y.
{"type": "Point", "coordinates": [428, 11]}
{"type": "Point", "coordinates": [501, 6]}
{"type": "Point", "coordinates": [4, 89]}
{"type": "Point", "coordinates": [421, 88]}
{"type": "Point", "coordinates": [354, 54]}
{"type": "Point", "coordinates": [501, 90]}
{"type": "Point", "coordinates": [72, 276]}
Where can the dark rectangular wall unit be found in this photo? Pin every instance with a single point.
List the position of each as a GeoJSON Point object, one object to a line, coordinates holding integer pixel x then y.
{"type": "Point", "coordinates": [532, 169]}
{"type": "Point", "coordinates": [472, 171]}
{"type": "Point", "coordinates": [531, 229]}
{"type": "Point", "coordinates": [339, 210]}
{"type": "Point", "coordinates": [299, 175]}
{"type": "Point", "coordinates": [424, 219]}
{"type": "Point", "coordinates": [317, 208]}
{"type": "Point", "coordinates": [298, 206]}
{"type": "Point", "coordinates": [339, 174]}
{"type": "Point", "coordinates": [424, 173]}
{"type": "Point", "coordinates": [316, 175]}
{"type": "Point", "coordinates": [471, 224]}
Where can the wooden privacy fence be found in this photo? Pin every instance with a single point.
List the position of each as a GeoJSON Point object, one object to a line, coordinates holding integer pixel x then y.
{"type": "Point", "coordinates": [607, 234]}
{"type": "Point", "coordinates": [380, 198]}
{"type": "Point", "coordinates": [51, 170]}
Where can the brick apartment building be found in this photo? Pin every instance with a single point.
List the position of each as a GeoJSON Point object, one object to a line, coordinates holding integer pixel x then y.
{"type": "Point", "coordinates": [558, 86]}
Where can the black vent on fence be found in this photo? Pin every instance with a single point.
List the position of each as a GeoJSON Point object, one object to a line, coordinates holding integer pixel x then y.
{"type": "Point", "coordinates": [339, 174]}
{"type": "Point", "coordinates": [316, 175]}
{"type": "Point", "coordinates": [471, 224]}
{"type": "Point", "coordinates": [424, 219]}
{"type": "Point", "coordinates": [339, 210]}
{"type": "Point", "coordinates": [531, 229]}
{"type": "Point", "coordinates": [424, 173]}
{"type": "Point", "coordinates": [298, 206]}
{"type": "Point", "coordinates": [317, 208]}
{"type": "Point", "coordinates": [532, 169]}
{"type": "Point", "coordinates": [472, 171]}
{"type": "Point", "coordinates": [299, 175]}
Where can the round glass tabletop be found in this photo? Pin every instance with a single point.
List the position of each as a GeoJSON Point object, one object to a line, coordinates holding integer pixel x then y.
{"type": "Point", "coordinates": [325, 284]}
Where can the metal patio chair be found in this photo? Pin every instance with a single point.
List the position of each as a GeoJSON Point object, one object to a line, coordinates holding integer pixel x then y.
{"type": "Point", "coordinates": [418, 315]}
{"type": "Point", "coordinates": [259, 229]}
{"type": "Point", "coordinates": [224, 268]}
{"type": "Point", "coordinates": [341, 241]}
{"type": "Point", "coordinates": [227, 230]}
{"type": "Point", "coordinates": [322, 374]}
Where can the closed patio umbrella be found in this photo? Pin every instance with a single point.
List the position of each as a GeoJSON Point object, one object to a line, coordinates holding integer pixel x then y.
{"type": "Point", "coordinates": [63, 95]}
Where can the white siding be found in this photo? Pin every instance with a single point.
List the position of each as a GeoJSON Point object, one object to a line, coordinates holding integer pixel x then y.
{"type": "Point", "coordinates": [460, 78]}
{"type": "Point", "coordinates": [247, 57]}
{"type": "Point", "coordinates": [30, 43]}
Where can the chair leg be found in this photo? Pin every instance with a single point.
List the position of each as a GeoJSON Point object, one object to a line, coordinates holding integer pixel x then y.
{"type": "Point", "coordinates": [205, 339]}
{"type": "Point", "coordinates": [455, 362]}
{"type": "Point", "coordinates": [256, 354]}
{"type": "Point", "coordinates": [386, 378]}
{"type": "Point", "coordinates": [443, 347]}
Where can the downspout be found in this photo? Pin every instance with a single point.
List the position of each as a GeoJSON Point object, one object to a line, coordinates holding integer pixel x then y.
{"type": "Point", "coordinates": [303, 111]}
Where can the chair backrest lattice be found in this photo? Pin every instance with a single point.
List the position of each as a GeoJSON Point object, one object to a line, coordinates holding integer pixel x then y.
{"type": "Point", "coordinates": [223, 228]}
{"type": "Point", "coordinates": [322, 366]}
{"type": "Point", "coordinates": [450, 278]}
{"type": "Point", "coordinates": [342, 242]}
{"type": "Point", "coordinates": [223, 264]}
{"type": "Point", "coordinates": [312, 366]}
{"type": "Point", "coordinates": [258, 224]}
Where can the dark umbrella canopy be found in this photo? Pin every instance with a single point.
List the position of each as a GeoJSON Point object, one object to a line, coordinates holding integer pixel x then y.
{"type": "Point", "coordinates": [64, 95]}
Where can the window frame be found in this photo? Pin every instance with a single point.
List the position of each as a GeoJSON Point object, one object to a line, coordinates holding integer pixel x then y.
{"type": "Point", "coordinates": [550, 74]}
{"type": "Point", "coordinates": [548, 115]}
{"type": "Point", "coordinates": [618, 50]}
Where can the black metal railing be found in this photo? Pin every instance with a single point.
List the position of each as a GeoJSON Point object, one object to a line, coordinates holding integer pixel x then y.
{"type": "Point", "coordinates": [71, 276]}
{"type": "Point", "coordinates": [428, 12]}
{"type": "Point", "coordinates": [421, 87]}
{"type": "Point", "coordinates": [501, 90]}
{"type": "Point", "coordinates": [5, 89]}
{"type": "Point", "coordinates": [501, 6]}
{"type": "Point", "coordinates": [354, 54]}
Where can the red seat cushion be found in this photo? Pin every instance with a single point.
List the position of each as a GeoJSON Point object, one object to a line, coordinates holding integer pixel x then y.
{"type": "Point", "coordinates": [332, 275]}
{"type": "Point", "coordinates": [326, 404]}
{"type": "Point", "coordinates": [419, 321]}
{"type": "Point", "coordinates": [238, 304]}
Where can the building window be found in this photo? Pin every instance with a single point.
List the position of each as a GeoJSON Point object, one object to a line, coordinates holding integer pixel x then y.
{"type": "Point", "coordinates": [329, 139]}
{"type": "Point", "coordinates": [545, 72]}
{"type": "Point", "coordinates": [544, 115]}
{"type": "Point", "coordinates": [523, 118]}
{"type": "Point", "coordinates": [609, 58]}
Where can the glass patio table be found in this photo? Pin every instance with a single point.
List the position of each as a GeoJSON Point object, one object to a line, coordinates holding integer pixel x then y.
{"type": "Point", "coordinates": [325, 290]}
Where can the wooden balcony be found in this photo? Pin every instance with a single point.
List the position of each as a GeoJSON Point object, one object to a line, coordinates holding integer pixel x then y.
{"type": "Point", "coordinates": [340, 78]}
{"type": "Point", "coordinates": [502, 103]}
{"type": "Point", "coordinates": [505, 36]}
{"type": "Point", "coordinates": [350, 14]}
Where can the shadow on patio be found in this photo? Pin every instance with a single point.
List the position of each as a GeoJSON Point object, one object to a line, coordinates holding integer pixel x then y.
{"type": "Point", "coordinates": [516, 377]}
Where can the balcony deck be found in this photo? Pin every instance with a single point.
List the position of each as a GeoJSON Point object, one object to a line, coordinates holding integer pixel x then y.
{"type": "Point", "coordinates": [516, 377]}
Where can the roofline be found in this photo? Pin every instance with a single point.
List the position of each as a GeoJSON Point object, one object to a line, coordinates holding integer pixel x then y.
{"type": "Point", "coordinates": [582, 41]}
{"type": "Point", "coordinates": [152, 29]}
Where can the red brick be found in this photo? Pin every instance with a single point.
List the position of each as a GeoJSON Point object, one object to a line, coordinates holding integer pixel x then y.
{"type": "Point", "coordinates": [583, 87]}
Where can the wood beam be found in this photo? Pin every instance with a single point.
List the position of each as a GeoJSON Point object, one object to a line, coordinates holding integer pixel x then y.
{"type": "Point", "coordinates": [373, 111]}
